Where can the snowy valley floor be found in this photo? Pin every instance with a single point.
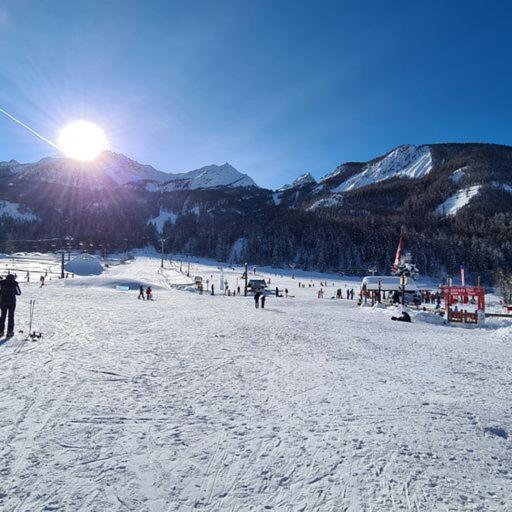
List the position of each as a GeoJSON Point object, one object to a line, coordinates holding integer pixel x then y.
{"type": "Point", "coordinates": [195, 402]}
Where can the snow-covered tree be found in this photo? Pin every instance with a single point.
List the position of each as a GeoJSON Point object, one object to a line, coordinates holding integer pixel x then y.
{"type": "Point", "coordinates": [406, 267]}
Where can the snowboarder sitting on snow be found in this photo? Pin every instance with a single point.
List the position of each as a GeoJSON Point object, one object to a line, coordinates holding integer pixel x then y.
{"type": "Point", "coordinates": [149, 293]}
{"type": "Point", "coordinates": [9, 288]}
{"type": "Point", "coordinates": [405, 317]}
{"type": "Point", "coordinates": [141, 292]}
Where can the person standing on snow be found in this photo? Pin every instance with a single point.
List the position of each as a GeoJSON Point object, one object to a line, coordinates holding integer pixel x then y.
{"type": "Point", "coordinates": [9, 289]}
{"type": "Point", "coordinates": [141, 292]}
{"type": "Point", "coordinates": [149, 293]}
{"type": "Point", "coordinates": [257, 299]}
{"type": "Point", "coordinates": [263, 299]}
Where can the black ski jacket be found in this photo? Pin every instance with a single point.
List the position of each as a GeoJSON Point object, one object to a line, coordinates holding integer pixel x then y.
{"type": "Point", "coordinates": [8, 291]}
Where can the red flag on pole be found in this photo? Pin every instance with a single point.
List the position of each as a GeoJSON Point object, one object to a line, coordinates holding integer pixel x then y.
{"type": "Point", "coordinates": [398, 256]}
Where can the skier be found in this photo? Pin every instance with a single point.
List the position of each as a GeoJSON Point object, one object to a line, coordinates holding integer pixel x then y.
{"type": "Point", "coordinates": [9, 288]}
{"type": "Point", "coordinates": [257, 300]}
{"type": "Point", "coordinates": [213, 289]}
{"type": "Point", "coordinates": [41, 281]}
{"type": "Point", "coordinates": [141, 292]}
{"type": "Point", "coordinates": [27, 277]}
{"type": "Point", "coordinates": [286, 292]}
{"type": "Point", "coordinates": [352, 294]}
{"type": "Point", "coordinates": [149, 293]}
{"type": "Point", "coordinates": [263, 298]}
{"type": "Point", "coordinates": [277, 291]}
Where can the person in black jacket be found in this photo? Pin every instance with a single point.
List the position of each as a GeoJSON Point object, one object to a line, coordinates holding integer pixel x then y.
{"type": "Point", "coordinates": [9, 288]}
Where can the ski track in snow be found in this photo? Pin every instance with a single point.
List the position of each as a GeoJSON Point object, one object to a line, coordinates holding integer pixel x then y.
{"type": "Point", "coordinates": [204, 403]}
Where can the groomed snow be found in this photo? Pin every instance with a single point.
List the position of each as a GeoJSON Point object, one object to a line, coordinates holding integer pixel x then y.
{"type": "Point", "coordinates": [403, 162]}
{"type": "Point", "coordinates": [163, 217]}
{"type": "Point", "coordinates": [15, 211]}
{"type": "Point", "coordinates": [196, 402]}
{"type": "Point", "coordinates": [457, 201]}
{"type": "Point", "coordinates": [276, 197]}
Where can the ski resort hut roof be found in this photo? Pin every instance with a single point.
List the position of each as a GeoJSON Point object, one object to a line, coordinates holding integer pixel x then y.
{"type": "Point", "coordinates": [84, 265]}
{"type": "Point", "coordinates": [387, 284]}
{"type": "Point", "coordinates": [256, 284]}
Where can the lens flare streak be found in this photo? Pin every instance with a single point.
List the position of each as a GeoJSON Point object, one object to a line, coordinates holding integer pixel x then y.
{"type": "Point", "coordinates": [31, 130]}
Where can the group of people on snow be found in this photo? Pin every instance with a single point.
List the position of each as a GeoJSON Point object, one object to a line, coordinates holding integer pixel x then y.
{"type": "Point", "coordinates": [349, 292]}
{"type": "Point", "coordinates": [146, 294]}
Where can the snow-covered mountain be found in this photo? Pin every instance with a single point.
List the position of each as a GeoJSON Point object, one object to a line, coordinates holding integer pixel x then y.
{"type": "Point", "coordinates": [403, 162]}
{"type": "Point", "coordinates": [211, 176]}
{"type": "Point", "coordinates": [302, 181]}
{"type": "Point", "coordinates": [113, 169]}
{"type": "Point", "coordinates": [447, 198]}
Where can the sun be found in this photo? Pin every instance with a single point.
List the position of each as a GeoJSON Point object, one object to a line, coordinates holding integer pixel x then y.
{"type": "Point", "coordinates": [82, 140]}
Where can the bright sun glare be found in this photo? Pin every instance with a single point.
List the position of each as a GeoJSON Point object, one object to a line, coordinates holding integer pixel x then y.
{"type": "Point", "coordinates": [82, 140]}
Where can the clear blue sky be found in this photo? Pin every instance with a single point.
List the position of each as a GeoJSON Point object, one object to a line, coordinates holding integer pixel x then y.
{"type": "Point", "coordinates": [274, 87]}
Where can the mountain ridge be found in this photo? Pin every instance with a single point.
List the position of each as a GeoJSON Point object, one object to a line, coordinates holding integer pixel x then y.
{"type": "Point", "coordinates": [117, 169]}
{"type": "Point", "coordinates": [452, 203]}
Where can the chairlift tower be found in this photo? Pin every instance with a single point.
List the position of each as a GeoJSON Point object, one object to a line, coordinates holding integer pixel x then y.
{"type": "Point", "coordinates": [162, 242]}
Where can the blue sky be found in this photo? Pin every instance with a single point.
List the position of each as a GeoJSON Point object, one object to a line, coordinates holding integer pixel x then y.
{"type": "Point", "coordinates": [276, 88]}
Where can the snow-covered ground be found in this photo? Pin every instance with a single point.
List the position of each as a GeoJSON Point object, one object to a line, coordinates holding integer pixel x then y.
{"type": "Point", "coordinates": [204, 402]}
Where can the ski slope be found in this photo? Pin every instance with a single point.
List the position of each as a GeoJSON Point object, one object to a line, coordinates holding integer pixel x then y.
{"type": "Point", "coordinates": [200, 402]}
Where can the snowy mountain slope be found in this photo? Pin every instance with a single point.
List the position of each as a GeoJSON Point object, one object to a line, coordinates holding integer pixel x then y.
{"type": "Point", "coordinates": [327, 202]}
{"type": "Point", "coordinates": [113, 169]}
{"type": "Point", "coordinates": [307, 223]}
{"type": "Point", "coordinates": [302, 181]}
{"type": "Point", "coordinates": [403, 162]}
{"type": "Point", "coordinates": [458, 200]}
{"type": "Point", "coordinates": [109, 168]}
{"type": "Point", "coordinates": [211, 176]}
{"type": "Point", "coordinates": [163, 217]}
{"type": "Point", "coordinates": [16, 211]}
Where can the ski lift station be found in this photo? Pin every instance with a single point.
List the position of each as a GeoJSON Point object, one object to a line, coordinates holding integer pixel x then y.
{"type": "Point", "coordinates": [388, 284]}
{"type": "Point", "coordinates": [255, 285]}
